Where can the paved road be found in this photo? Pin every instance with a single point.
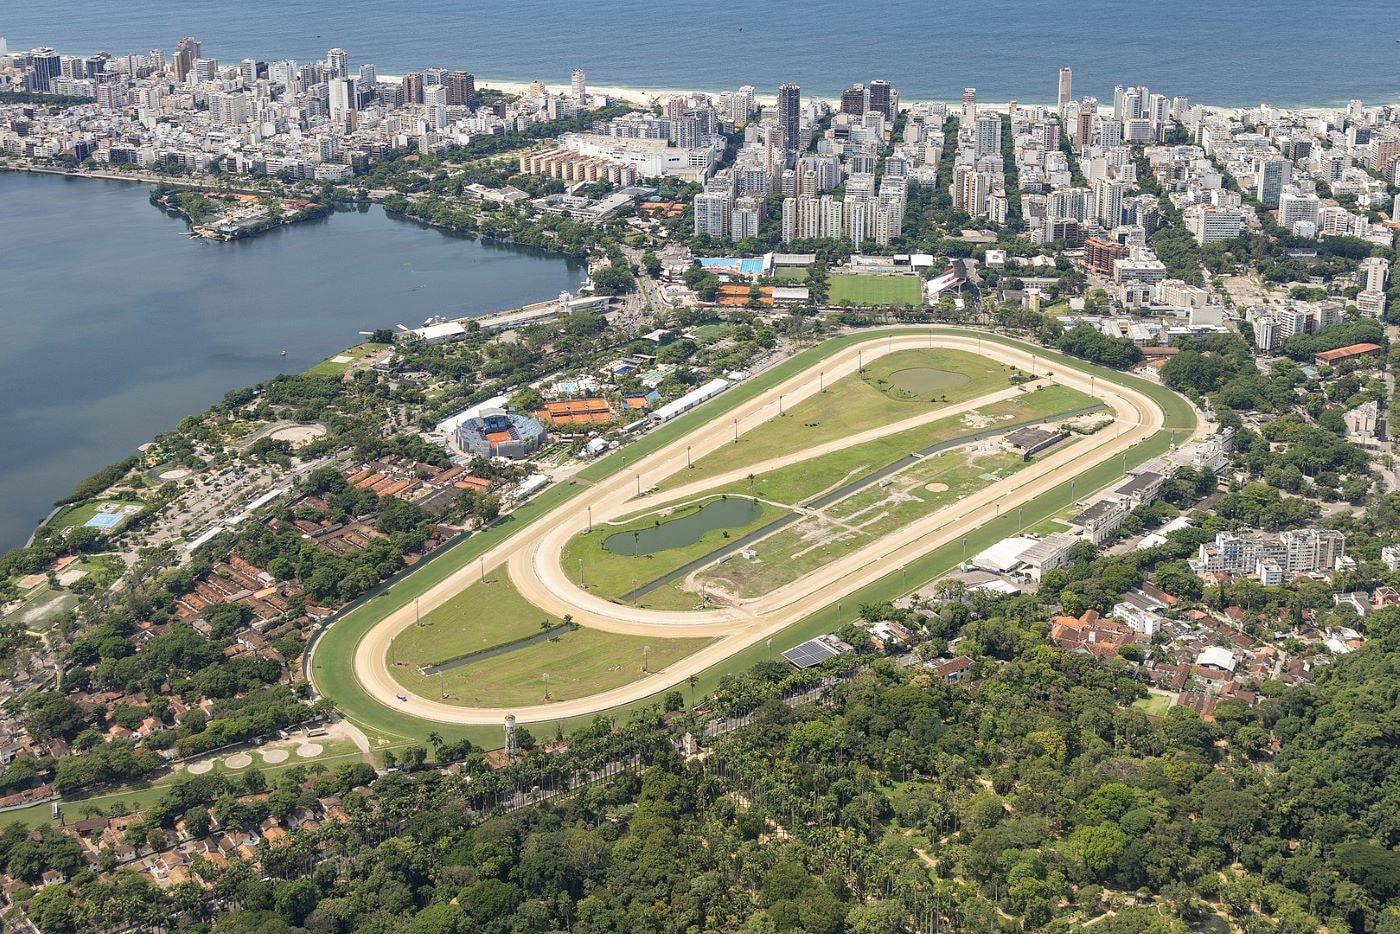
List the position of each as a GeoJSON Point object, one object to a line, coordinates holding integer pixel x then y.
{"type": "Point", "coordinates": [534, 555]}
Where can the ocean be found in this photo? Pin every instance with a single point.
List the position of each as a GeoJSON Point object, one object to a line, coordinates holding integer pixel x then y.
{"type": "Point", "coordinates": [117, 325]}
{"type": "Point", "coordinates": [1240, 53]}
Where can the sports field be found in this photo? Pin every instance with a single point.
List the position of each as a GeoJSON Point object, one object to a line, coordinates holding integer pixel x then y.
{"type": "Point", "coordinates": [874, 290]}
{"type": "Point", "coordinates": [481, 617]}
{"type": "Point", "coordinates": [579, 663]}
{"type": "Point", "coordinates": [892, 388]}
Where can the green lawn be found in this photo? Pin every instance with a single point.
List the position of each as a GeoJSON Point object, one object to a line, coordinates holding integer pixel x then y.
{"type": "Point", "coordinates": [706, 333]}
{"type": "Point", "coordinates": [803, 480]}
{"type": "Point", "coordinates": [331, 366]}
{"type": "Point", "coordinates": [888, 390]}
{"type": "Point", "coordinates": [874, 290]}
{"type": "Point", "coordinates": [612, 575]}
{"type": "Point", "coordinates": [132, 798]}
{"type": "Point", "coordinates": [1155, 704]}
{"type": "Point", "coordinates": [332, 666]}
{"type": "Point", "coordinates": [579, 663]}
{"type": "Point", "coordinates": [481, 617]}
{"type": "Point", "coordinates": [77, 515]}
{"type": "Point", "coordinates": [790, 274]}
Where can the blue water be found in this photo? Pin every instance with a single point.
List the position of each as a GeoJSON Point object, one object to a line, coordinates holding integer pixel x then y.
{"type": "Point", "coordinates": [116, 325]}
{"type": "Point", "coordinates": [1228, 52]}
{"type": "Point", "coordinates": [744, 267]}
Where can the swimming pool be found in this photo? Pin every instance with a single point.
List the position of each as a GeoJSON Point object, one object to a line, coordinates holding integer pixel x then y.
{"type": "Point", "coordinates": [733, 265]}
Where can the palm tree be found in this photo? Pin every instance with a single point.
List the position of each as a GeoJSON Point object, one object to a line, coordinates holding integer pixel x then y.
{"type": "Point", "coordinates": [692, 681]}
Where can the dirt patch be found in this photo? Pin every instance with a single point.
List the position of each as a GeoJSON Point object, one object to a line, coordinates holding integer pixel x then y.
{"type": "Point", "coordinates": [240, 760]}
{"type": "Point", "coordinates": [309, 750]}
{"type": "Point", "coordinates": [936, 487]}
{"type": "Point", "coordinates": [298, 434]}
{"type": "Point", "coordinates": [273, 756]}
{"type": "Point", "coordinates": [202, 767]}
{"type": "Point", "coordinates": [175, 473]}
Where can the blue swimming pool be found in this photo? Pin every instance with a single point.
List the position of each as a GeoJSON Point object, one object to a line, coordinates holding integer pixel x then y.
{"type": "Point", "coordinates": [732, 264]}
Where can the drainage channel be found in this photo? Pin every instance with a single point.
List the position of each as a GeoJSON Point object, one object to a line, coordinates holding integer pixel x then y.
{"type": "Point", "coordinates": [846, 490]}
{"type": "Point", "coordinates": [471, 657]}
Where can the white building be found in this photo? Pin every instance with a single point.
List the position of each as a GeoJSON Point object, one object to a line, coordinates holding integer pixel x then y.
{"type": "Point", "coordinates": [1208, 223]}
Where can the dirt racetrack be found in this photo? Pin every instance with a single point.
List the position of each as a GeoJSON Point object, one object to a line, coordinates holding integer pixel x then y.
{"type": "Point", "coordinates": [534, 554]}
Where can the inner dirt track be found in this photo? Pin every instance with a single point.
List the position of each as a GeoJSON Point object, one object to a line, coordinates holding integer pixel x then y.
{"type": "Point", "coordinates": [533, 555]}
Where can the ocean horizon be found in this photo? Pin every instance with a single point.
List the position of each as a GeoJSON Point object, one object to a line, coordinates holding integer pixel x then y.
{"type": "Point", "coordinates": [1289, 53]}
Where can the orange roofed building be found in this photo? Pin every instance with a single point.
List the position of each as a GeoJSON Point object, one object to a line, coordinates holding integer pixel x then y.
{"type": "Point", "coordinates": [592, 411]}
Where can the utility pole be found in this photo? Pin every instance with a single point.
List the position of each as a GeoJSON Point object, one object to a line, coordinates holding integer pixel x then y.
{"type": "Point", "coordinates": [646, 660]}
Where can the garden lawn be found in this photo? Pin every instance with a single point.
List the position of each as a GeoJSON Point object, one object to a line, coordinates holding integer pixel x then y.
{"type": "Point", "coordinates": [483, 616]}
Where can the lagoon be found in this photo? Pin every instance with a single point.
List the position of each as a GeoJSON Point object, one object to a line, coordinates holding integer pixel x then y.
{"type": "Point", "coordinates": [117, 325]}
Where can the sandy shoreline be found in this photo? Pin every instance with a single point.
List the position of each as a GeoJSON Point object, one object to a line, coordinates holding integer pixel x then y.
{"type": "Point", "coordinates": [646, 96]}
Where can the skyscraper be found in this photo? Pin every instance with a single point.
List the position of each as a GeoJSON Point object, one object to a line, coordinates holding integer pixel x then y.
{"type": "Point", "coordinates": [880, 98]}
{"type": "Point", "coordinates": [853, 100]}
{"type": "Point", "coordinates": [435, 101]}
{"type": "Point", "coordinates": [412, 88]}
{"type": "Point", "coordinates": [790, 121]}
{"type": "Point", "coordinates": [578, 83]}
{"type": "Point", "coordinates": [186, 51]}
{"type": "Point", "coordinates": [1273, 174]}
{"type": "Point", "coordinates": [46, 66]}
{"type": "Point", "coordinates": [461, 88]}
{"type": "Point", "coordinates": [969, 108]}
{"type": "Point", "coordinates": [337, 64]}
{"type": "Point", "coordinates": [987, 136]}
{"type": "Point", "coordinates": [343, 98]}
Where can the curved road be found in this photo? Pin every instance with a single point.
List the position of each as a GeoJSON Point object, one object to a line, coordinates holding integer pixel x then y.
{"type": "Point", "coordinates": [534, 555]}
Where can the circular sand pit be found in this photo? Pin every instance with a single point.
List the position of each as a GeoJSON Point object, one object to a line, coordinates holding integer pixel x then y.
{"type": "Point", "coordinates": [175, 473]}
{"type": "Point", "coordinates": [202, 767]}
{"type": "Point", "coordinates": [273, 756]}
{"type": "Point", "coordinates": [239, 761]}
{"type": "Point", "coordinates": [936, 487]}
{"type": "Point", "coordinates": [309, 750]}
